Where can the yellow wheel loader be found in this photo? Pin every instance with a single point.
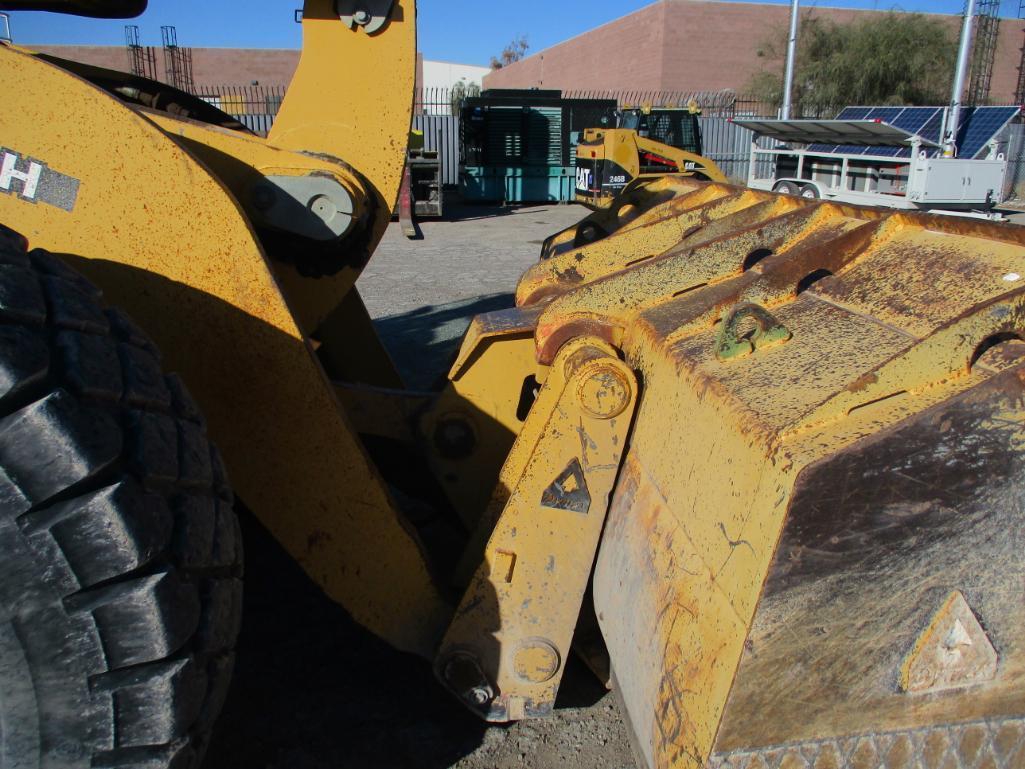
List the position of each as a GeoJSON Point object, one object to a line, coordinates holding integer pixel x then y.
{"type": "Point", "coordinates": [773, 447]}
{"type": "Point", "coordinates": [645, 144]}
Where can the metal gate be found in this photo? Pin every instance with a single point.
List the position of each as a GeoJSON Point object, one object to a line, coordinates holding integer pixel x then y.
{"type": "Point", "coordinates": [727, 145]}
{"type": "Point", "coordinates": [441, 135]}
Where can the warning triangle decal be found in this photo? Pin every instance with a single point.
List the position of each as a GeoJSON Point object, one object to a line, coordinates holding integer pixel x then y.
{"type": "Point", "coordinates": [952, 652]}
{"type": "Point", "coordinates": [568, 491]}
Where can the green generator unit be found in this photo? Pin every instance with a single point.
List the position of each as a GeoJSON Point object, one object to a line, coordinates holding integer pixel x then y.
{"type": "Point", "coordinates": [518, 146]}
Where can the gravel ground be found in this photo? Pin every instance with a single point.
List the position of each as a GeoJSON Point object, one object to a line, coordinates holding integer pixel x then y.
{"type": "Point", "coordinates": [313, 690]}
{"type": "Point", "coordinates": [475, 251]}
{"type": "Point", "coordinates": [422, 293]}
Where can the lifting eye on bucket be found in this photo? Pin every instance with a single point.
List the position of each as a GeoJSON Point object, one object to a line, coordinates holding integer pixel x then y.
{"type": "Point", "coordinates": [767, 332]}
{"type": "Point", "coordinates": [991, 342]}
{"type": "Point", "coordinates": [369, 14]}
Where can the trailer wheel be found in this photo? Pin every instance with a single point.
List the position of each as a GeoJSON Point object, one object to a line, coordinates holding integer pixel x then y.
{"type": "Point", "coordinates": [786, 188]}
{"type": "Point", "coordinates": [120, 562]}
{"type": "Point", "coordinates": [810, 191]}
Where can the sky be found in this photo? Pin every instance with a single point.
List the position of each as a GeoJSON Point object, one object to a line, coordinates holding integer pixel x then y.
{"type": "Point", "coordinates": [461, 31]}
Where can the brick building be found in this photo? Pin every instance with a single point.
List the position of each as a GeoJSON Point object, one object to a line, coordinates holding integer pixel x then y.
{"type": "Point", "coordinates": [692, 45]}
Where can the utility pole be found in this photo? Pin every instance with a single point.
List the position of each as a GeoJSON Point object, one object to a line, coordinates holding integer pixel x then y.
{"type": "Point", "coordinates": [788, 84]}
{"type": "Point", "coordinates": [964, 54]}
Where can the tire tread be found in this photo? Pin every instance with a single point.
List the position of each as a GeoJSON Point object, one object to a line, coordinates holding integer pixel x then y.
{"type": "Point", "coordinates": [122, 513]}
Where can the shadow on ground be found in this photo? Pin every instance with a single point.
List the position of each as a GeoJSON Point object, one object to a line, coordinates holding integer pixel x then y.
{"type": "Point", "coordinates": [314, 690]}
{"type": "Point", "coordinates": [464, 211]}
{"type": "Point", "coordinates": [424, 342]}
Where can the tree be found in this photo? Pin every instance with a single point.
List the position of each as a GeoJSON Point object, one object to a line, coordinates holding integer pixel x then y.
{"type": "Point", "coordinates": [462, 90]}
{"type": "Point", "coordinates": [895, 58]}
{"type": "Point", "coordinates": [515, 51]}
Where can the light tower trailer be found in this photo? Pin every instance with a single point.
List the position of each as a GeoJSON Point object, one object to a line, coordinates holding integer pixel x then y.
{"type": "Point", "coordinates": [872, 161]}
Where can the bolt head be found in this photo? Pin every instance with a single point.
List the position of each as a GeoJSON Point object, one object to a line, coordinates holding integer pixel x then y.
{"type": "Point", "coordinates": [604, 393]}
{"type": "Point", "coordinates": [537, 661]}
{"type": "Point", "coordinates": [479, 696]}
{"type": "Point", "coordinates": [323, 207]}
{"type": "Point", "coordinates": [263, 197]}
{"type": "Point", "coordinates": [454, 437]}
{"type": "Point", "coordinates": [362, 17]}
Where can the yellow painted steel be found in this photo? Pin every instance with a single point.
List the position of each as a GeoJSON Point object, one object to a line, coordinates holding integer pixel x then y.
{"type": "Point", "coordinates": [165, 240]}
{"type": "Point", "coordinates": [349, 348]}
{"type": "Point", "coordinates": [351, 98]}
{"type": "Point", "coordinates": [645, 236]}
{"type": "Point", "coordinates": [505, 651]}
{"type": "Point", "coordinates": [243, 162]}
{"type": "Point", "coordinates": [384, 412]}
{"type": "Point", "coordinates": [352, 94]}
{"type": "Point", "coordinates": [470, 428]}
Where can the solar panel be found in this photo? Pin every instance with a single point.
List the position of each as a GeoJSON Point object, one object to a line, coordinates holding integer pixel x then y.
{"type": "Point", "coordinates": [854, 113]}
{"type": "Point", "coordinates": [912, 119]}
{"type": "Point", "coordinates": [931, 130]}
{"type": "Point", "coordinates": [980, 126]}
{"type": "Point", "coordinates": [887, 152]}
{"type": "Point", "coordinates": [886, 114]}
{"type": "Point", "coordinates": [908, 118]}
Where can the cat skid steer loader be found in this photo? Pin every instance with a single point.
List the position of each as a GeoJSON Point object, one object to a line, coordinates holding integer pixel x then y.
{"type": "Point", "coordinates": [773, 447]}
{"type": "Point", "coordinates": [645, 144]}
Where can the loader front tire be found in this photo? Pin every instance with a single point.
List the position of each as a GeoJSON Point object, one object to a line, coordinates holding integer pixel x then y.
{"type": "Point", "coordinates": [120, 562]}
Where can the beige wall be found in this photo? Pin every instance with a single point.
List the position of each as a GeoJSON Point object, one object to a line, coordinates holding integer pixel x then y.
{"type": "Point", "coordinates": [210, 66]}
{"type": "Point", "coordinates": [1008, 59]}
{"type": "Point", "coordinates": [691, 45]}
{"type": "Point", "coordinates": [713, 46]}
{"type": "Point", "coordinates": [618, 55]}
{"type": "Point", "coordinates": [104, 56]}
